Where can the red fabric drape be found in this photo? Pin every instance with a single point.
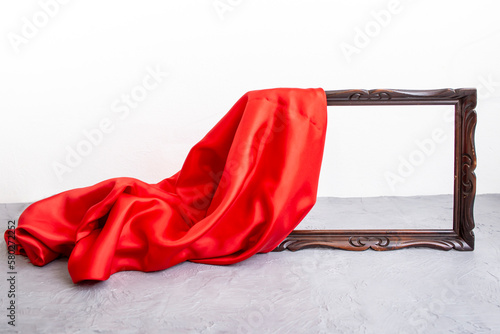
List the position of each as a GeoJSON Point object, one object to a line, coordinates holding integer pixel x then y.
{"type": "Point", "coordinates": [242, 189]}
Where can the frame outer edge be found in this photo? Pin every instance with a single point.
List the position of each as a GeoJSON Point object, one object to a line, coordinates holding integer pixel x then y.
{"type": "Point", "coordinates": [462, 236]}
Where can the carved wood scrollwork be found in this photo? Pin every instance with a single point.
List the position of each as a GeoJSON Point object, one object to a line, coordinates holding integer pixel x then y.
{"type": "Point", "coordinates": [465, 224]}
{"type": "Point", "coordinates": [461, 237]}
{"type": "Point", "coordinates": [369, 95]}
{"type": "Point", "coordinates": [369, 242]}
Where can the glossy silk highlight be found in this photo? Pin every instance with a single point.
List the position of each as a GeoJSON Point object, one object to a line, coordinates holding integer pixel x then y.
{"type": "Point", "coordinates": [242, 189]}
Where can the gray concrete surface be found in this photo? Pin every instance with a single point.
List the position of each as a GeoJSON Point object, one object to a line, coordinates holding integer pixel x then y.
{"type": "Point", "coordinates": [309, 291]}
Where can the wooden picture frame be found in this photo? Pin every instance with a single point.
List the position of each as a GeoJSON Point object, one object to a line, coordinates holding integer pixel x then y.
{"type": "Point", "coordinates": [461, 236]}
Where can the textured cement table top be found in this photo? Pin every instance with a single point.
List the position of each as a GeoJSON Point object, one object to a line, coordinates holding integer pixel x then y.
{"type": "Point", "coordinates": [309, 291]}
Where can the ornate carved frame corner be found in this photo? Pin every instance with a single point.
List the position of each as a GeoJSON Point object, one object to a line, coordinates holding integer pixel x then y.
{"type": "Point", "coordinates": [461, 237]}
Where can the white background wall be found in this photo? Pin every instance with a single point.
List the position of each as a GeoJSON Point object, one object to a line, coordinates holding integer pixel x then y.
{"type": "Point", "coordinates": [66, 73]}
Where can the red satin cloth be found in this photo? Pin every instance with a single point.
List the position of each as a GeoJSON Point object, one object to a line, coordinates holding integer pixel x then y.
{"type": "Point", "coordinates": [242, 189]}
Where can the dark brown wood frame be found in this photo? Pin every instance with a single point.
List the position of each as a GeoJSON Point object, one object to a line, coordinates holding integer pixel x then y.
{"type": "Point", "coordinates": [461, 237]}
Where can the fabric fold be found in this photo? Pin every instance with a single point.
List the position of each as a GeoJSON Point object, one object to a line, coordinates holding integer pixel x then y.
{"type": "Point", "coordinates": [241, 190]}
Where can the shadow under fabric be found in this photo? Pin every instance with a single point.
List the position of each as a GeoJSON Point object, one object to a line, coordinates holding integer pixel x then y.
{"type": "Point", "coordinates": [242, 189]}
